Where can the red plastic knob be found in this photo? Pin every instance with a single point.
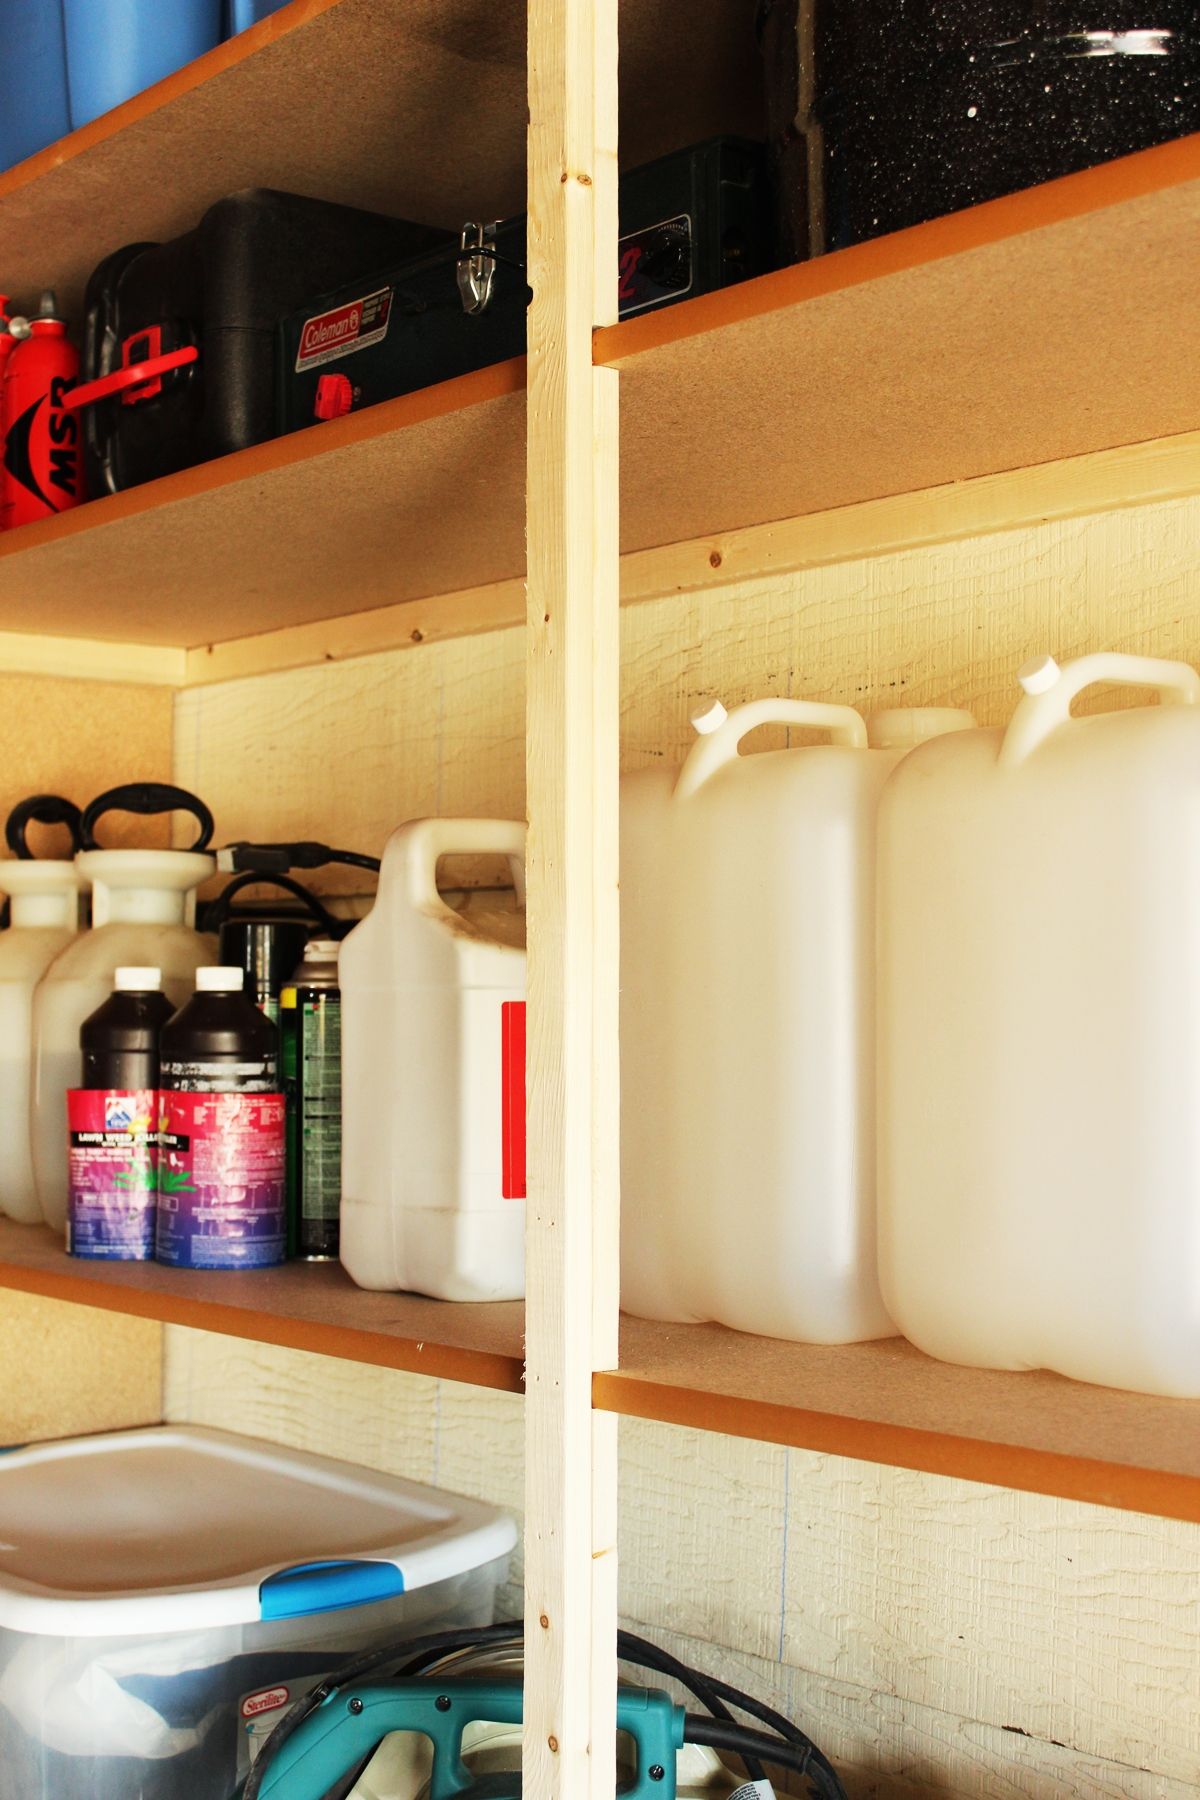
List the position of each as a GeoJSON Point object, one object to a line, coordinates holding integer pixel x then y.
{"type": "Point", "coordinates": [335, 396]}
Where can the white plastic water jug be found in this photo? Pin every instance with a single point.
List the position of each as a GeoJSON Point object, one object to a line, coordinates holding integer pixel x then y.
{"type": "Point", "coordinates": [747, 1025]}
{"type": "Point", "coordinates": [44, 898]}
{"type": "Point", "coordinates": [1040, 1035]}
{"type": "Point", "coordinates": [433, 1076]}
{"type": "Point", "coordinates": [143, 912]}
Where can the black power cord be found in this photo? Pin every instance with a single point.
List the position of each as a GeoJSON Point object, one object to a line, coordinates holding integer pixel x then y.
{"type": "Point", "coordinates": [782, 1745]}
{"type": "Point", "coordinates": [277, 859]}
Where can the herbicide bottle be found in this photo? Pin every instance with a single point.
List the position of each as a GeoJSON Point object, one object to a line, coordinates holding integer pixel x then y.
{"type": "Point", "coordinates": [433, 1074]}
{"type": "Point", "coordinates": [44, 902]}
{"type": "Point", "coordinates": [221, 1165]}
{"type": "Point", "coordinates": [143, 912]}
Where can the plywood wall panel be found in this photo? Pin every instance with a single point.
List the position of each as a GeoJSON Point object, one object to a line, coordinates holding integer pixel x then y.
{"type": "Point", "coordinates": [68, 1370]}
{"type": "Point", "coordinates": [79, 737]}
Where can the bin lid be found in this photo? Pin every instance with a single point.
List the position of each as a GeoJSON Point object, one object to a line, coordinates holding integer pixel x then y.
{"type": "Point", "coordinates": [180, 1528]}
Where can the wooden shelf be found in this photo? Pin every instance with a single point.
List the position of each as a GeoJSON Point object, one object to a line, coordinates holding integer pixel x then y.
{"type": "Point", "coordinates": [1054, 322]}
{"type": "Point", "coordinates": [884, 1402]}
{"type": "Point", "coordinates": [887, 1403]}
{"type": "Point", "coordinates": [412, 107]}
{"type": "Point", "coordinates": [417, 496]}
{"type": "Point", "coordinates": [301, 1306]}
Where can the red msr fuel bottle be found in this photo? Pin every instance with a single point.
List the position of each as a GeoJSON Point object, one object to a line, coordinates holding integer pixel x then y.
{"type": "Point", "coordinates": [42, 471]}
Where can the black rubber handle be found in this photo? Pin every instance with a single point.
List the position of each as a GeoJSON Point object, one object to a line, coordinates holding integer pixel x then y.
{"type": "Point", "coordinates": [147, 797]}
{"type": "Point", "coordinates": [42, 809]}
{"type": "Point", "coordinates": [222, 908]}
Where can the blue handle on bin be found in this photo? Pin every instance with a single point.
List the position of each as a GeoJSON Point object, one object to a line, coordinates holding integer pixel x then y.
{"type": "Point", "coordinates": [320, 1587]}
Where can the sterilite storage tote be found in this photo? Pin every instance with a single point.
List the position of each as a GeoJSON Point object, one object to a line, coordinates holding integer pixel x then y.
{"type": "Point", "coordinates": [747, 1026]}
{"type": "Point", "coordinates": [115, 48]}
{"type": "Point", "coordinates": [33, 78]}
{"type": "Point", "coordinates": [1039, 1158]}
{"type": "Point", "coordinates": [241, 14]}
{"type": "Point", "coordinates": [165, 1594]}
{"type": "Point", "coordinates": [178, 344]}
{"type": "Point", "coordinates": [433, 1073]}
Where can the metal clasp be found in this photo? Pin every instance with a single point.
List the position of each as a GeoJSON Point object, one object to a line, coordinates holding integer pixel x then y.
{"type": "Point", "coordinates": [477, 265]}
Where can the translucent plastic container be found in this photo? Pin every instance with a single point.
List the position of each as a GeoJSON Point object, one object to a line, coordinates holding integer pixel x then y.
{"type": "Point", "coordinates": [165, 1594]}
{"type": "Point", "coordinates": [241, 14]}
{"type": "Point", "coordinates": [143, 904]}
{"type": "Point", "coordinates": [433, 1074]}
{"type": "Point", "coordinates": [44, 898]}
{"type": "Point", "coordinates": [1040, 1035]}
{"type": "Point", "coordinates": [115, 48]}
{"type": "Point", "coordinates": [747, 1025]}
{"type": "Point", "coordinates": [33, 78]}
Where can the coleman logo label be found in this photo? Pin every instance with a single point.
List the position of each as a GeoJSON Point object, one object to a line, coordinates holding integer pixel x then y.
{"type": "Point", "coordinates": [329, 335]}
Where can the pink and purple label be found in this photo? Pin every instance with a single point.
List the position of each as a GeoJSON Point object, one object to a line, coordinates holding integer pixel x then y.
{"type": "Point", "coordinates": [113, 1179]}
{"type": "Point", "coordinates": [221, 1181]}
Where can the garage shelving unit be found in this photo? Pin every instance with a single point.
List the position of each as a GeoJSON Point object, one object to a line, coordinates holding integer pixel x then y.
{"type": "Point", "coordinates": [1058, 324]}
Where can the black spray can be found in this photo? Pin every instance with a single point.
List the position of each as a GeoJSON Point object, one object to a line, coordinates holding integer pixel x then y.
{"type": "Point", "coordinates": [221, 1165]}
{"type": "Point", "coordinates": [267, 950]}
{"type": "Point", "coordinates": [113, 1123]}
{"type": "Point", "coordinates": [312, 1062]}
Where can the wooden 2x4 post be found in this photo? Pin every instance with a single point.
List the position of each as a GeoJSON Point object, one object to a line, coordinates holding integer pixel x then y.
{"type": "Point", "coordinates": [573, 705]}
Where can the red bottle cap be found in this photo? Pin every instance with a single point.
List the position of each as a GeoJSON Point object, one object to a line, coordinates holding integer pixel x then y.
{"type": "Point", "coordinates": [335, 397]}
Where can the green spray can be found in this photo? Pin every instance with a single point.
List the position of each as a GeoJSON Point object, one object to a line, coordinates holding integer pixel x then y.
{"type": "Point", "coordinates": [311, 1022]}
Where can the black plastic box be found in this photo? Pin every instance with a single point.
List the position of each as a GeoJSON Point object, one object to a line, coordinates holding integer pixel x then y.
{"type": "Point", "coordinates": [208, 305]}
{"type": "Point", "coordinates": [690, 222]}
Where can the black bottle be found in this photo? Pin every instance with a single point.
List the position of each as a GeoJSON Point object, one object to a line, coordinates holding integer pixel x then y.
{"type": "Point", "coordinates": [120, 1040]}
{"type": "Point", "coordinates": [219, 1042]}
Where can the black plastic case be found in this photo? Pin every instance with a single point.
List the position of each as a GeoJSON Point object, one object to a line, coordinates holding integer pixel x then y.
{"type": "Point", "coordinates": [221, 290]}
{"type": "Point", "coordinates": [690, 222]}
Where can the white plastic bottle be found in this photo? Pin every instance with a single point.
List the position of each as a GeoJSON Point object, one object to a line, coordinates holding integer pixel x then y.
{"type": "Point", "coordinates": [143, 913]}
{"type": "Point", "coordinates": [747, 1025]}
{"type": "Point", "coordinates": [44, 897]}
{"type": "Point", "coordinates": [432, 1066]}
{"type": "Point", "coordinates": [1040, 1035]}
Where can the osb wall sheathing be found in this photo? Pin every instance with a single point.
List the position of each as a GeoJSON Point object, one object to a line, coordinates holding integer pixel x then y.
{"type": "Point", "coordinates": [71, 1369]}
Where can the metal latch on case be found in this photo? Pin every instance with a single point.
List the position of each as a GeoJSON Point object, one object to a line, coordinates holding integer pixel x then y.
{"type": "Point", "coordinates": [477, 265]}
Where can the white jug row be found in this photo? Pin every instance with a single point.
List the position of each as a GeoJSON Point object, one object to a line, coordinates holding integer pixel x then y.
{"type": "Point", "coordinates": [910, 1030]}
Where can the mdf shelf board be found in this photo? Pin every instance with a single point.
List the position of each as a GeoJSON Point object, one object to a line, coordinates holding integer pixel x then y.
{"type": "Point", "coordinates": [419, 495]}
{"type": "Point", "coordinates": [1043, 326]}
{"type": "Point", "coordinates": [888, 1403]}
{"type": "Point", "coordinates": [411, 107]}
{"type": "Point", "coordinates": [300, 1306]}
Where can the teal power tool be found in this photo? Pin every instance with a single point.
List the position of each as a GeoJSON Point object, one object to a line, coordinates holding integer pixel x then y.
{"type": "Point", "coordinates": [338, 1740]}
{"type": "Point", "coordinates": [442, 1686]}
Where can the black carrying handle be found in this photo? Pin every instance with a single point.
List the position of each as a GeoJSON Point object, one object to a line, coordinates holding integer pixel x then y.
{"type": "Point", "coordinates": [42, 809]}
{"type": "Point", "coordinates": [147, 797]}
{"type": "Point", "coordinates": [221, 908]}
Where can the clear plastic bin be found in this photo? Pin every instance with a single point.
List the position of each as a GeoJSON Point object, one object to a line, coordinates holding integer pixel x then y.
{"type": "Point", "coordinates": [165, 1594]}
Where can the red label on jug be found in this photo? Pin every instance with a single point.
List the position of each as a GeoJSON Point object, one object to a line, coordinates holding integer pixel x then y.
{"type": "Point", "coordinates": [512, 1083]}
{"type": "Point", "coordinates": [113, 1178]}
{"type": "Point", "coordinates": [328, 335]}
{"type": "Point", "coordinates": [221, 1181]}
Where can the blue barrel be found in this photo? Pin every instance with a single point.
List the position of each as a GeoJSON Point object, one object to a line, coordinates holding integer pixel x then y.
{"type": "Point", "coordinates": [33, 78]}
{"type": "Point", "coordinates": [115, 48]}
{"type": "Point", "coordinates": [248, 12]}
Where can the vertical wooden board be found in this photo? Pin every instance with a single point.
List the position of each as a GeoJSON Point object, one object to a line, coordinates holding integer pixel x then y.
{"type": "Point", "coordinates": [572, 759]}
{"type": "Point", "coordinates": [69, 1370]}
{"type": "Point", "coordinates": [77, 738]}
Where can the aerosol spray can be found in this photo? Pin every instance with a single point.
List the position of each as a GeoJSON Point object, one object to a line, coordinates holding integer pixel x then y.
{"type": "Point", "coordinates": [42, 471]}
{"type": "Point", "coordinates": [312, 1080]}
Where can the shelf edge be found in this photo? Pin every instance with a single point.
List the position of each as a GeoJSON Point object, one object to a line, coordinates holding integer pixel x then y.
{"type": "Point", "coordinates": [1124, 1488]}
{"type": "Point", "coordinates": [416, 1356]}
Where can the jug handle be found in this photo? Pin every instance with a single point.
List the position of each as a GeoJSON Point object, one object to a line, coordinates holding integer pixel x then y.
{"type": "Point", "coordinates": [723, 732]}
{"type": "Point", "coordinates": [428, 840]}
{"type": "Point", "coordinates": [1050, 692]}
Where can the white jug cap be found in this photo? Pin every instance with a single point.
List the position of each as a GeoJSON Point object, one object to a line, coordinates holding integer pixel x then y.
{"type": "Point", "coordinates": [220, 981]}
{"type": "Point", "coordinates": [137, 981]}
{"type": "Point", "coordinates": [709, 718]}
{"type": "Point", "coordinates": [322, 950]}
{"type": "Point", "coordinates": [1039, 674]}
